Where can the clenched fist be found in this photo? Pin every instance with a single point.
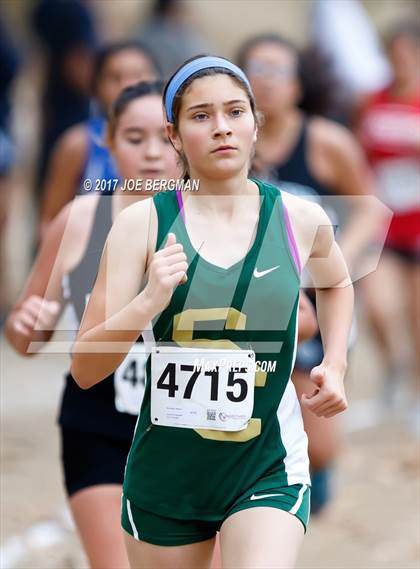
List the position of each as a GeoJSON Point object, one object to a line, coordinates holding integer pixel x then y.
{"type": "Point", "coordinates": [329, 397]}
{"type": "Point", "coordinates": [36, 311]}
{"type": "Point", "coordinates": [167, 270]}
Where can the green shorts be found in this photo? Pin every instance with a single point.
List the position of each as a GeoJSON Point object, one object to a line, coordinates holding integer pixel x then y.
{"type": "Point", "coordinates": [161, 530]}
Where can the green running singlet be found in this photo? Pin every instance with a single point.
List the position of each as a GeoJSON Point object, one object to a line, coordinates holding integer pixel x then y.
{"type": "Point", "coordinates": [198, 474]}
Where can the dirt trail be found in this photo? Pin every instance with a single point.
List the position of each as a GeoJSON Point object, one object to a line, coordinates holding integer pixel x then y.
{"type": "Point", "coordinates": [373, 523]}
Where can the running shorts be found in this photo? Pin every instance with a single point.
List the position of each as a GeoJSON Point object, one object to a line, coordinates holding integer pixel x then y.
{"type": "Point", "coordinates": [160, 530]}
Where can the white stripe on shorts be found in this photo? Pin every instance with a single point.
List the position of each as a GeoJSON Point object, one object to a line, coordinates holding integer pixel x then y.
{"type": "Point", "coordinates": [299, 500]}
{"type": "Point", "coordinates": [130, 517]}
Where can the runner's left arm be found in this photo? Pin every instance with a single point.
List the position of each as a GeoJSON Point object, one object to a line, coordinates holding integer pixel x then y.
{"type": "Point", "coordinates": [334, 296]}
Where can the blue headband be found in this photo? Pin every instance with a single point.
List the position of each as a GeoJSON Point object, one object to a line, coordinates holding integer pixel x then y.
{"type": "Point", "coordinates": [192, 67]}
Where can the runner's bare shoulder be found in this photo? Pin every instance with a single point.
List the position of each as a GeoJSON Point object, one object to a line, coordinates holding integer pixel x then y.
{"type": "Point", "coordinates": [334, 139]}
{"type": "Point", "coordinates": [135, 229]}
{"type": "Point", "coordinates": [72, 226]}
{"type": "Point", "coordinates": [73, 143]}
{"type": "Point", "coordinates": [308, 219]}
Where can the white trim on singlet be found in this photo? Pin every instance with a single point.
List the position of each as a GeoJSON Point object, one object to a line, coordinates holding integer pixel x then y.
{"type": "Point", "coordinates": [296, 340]}
{"type": "Point", "coordinates": [292, 432]}
{"type": "Point", "coordinates": [130, 518]}
{"type": "Point", "coordinates": [299, 500]}
{"type": "Point", "coordinates": [149, 342]}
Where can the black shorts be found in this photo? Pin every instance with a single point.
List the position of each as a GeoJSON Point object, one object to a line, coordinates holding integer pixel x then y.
{"type": "Point", "coordinates": [309, 353]}
{"type": "Point", "coordinates": [90, 459]}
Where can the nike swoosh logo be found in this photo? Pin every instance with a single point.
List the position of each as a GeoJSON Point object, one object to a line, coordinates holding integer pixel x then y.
{"type": "Point", "coordinates": [259, 274]}
{"type": "Point", "coordinates": [261, 496]}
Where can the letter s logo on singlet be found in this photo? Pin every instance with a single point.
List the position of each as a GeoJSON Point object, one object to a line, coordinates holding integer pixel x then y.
{"type": "Point", "coordinates": [183, 328]}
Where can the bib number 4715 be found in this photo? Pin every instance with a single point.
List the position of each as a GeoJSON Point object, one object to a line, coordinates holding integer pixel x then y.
{"type": "Point", "coordinates": [202, 389]}
{"type": "Point", "coordinates": [167, 381]}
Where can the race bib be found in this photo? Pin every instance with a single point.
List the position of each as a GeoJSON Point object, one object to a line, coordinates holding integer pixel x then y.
{"type": "Point", "coordinates": [202, 389]}
{"type": "Point", "coordinates": [129, 381]}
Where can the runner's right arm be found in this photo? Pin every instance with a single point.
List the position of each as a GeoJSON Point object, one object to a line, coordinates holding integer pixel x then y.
{"type": "Point", "coordinates": [38, 308]}
{"type": "Point", "coordinates": [63, 174]}
{"type": "Point", "coordinates": [117, 313]}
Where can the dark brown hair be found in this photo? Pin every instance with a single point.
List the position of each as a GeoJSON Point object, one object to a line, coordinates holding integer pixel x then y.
{"type": "Point", "coordinates": [105, 52]}
{"type": "Point", "coordinates": [127, 95]}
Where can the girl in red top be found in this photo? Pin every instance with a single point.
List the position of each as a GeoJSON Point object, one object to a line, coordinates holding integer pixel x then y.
{"type": "Point", "coordinates": [389, 129]}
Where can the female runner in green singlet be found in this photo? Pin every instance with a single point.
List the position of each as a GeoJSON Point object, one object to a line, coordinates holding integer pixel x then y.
{"type": "Point", "coordinates": [218, 270]}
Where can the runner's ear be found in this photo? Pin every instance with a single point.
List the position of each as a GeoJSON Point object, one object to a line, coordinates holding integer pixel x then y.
{"type": "Point", "coordinates": [254, 139]}
{"type": "Point", "coordinates": [173, 137]}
